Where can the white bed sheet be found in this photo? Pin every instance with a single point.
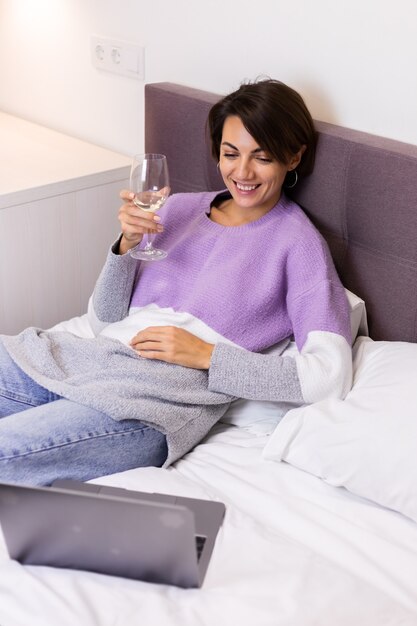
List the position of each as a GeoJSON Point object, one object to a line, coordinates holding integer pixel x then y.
{"type": "Point", "coordinates": [293, 551]}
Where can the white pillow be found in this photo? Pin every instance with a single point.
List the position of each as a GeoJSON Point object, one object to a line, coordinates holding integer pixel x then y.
{"type": "Point", "coordinates": [262, 417]}
{"type": "Point", "coordinates": [367, 442]}
{"type": "Point", "coordinates": [358, 319]}
{"type": "Point", "coordinates": [79, 326]}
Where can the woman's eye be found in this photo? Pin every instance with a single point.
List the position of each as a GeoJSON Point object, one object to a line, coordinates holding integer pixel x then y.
{"type": "Point", "coordinates": [229, 155]}
{"type": "Point", "coordinates": [264, 159]}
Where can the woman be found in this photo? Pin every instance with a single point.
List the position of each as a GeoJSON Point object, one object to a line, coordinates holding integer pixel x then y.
{"type": "Point", "coordinates": [176, 341]}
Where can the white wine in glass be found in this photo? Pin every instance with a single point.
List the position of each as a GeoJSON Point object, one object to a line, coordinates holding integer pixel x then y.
{"type": "Point", "coordinates": [149, 180]}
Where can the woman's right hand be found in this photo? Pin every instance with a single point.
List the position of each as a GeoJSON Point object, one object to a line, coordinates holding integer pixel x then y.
{"type": "Point", "coordinates": [135, 222]}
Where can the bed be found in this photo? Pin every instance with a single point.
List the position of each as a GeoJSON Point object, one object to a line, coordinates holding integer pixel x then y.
{"type": "Point", "coordinates": [321, 501]}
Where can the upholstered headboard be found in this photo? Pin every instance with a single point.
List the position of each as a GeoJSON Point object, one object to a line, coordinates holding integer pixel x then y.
{"type": "Point", "coordinates": [362, 196]}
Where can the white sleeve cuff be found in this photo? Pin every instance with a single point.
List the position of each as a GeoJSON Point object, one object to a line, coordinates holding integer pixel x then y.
{"type": "Point", "coordinates": [324, 366]}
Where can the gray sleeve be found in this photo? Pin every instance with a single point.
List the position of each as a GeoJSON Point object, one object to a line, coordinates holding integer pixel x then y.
{"type": "Point", "coordinates": [254, 376]}
{"type": "Point", "coordinates": [113, 290]}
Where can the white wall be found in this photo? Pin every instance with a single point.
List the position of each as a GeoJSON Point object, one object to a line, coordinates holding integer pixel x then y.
{"type": "Point", "coordinates": [354, 61]}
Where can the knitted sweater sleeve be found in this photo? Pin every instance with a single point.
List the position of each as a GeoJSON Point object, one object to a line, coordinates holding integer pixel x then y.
{"type": "Point", "coordinates": [112, 293]}
{"type": "Point", "coordinates": [322, 369]}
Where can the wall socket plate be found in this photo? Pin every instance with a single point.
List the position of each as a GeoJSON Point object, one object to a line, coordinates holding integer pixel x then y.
{"type": "Point", "coordinates": [118, 57]}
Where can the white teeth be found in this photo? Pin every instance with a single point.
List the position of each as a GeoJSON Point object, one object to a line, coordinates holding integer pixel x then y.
{"type": "Point", "coordinates": [245, 187]}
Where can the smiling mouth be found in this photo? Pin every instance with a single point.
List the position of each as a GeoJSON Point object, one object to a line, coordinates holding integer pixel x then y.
{"type": "Point", "coordinates": [245, 187]}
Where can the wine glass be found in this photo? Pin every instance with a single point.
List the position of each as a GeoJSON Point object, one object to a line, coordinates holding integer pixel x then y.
{"type": "Point", "coordinates": [149, 180]}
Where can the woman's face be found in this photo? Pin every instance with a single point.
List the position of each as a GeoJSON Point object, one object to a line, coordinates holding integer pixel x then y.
{"type": "Point", "coordinates": [251, 175]}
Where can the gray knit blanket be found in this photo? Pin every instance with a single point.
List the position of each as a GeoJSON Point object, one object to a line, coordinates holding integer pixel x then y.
{"type": "Point", "coordinates": [108, 376]}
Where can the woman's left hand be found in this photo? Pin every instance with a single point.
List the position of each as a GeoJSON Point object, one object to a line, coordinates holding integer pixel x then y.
{"type": "Point", "coordinates": [173, 345]}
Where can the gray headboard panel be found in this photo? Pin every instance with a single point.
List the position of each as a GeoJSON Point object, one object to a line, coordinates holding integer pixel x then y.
{"type": "Point", "coordinates": [362, 196]}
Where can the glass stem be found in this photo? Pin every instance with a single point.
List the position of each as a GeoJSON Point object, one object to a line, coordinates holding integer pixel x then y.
{"type": "Point", "coordinates": [149, 240]}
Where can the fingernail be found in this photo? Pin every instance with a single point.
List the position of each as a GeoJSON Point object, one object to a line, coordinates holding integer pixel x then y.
{"type": "Point", "coordinates": [131, 195]}
{"type": "Point", "coordinates": [156, 218]}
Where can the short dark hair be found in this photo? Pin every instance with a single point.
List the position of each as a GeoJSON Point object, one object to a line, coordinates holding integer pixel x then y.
{"type": "Point", "coordinates": [276, 117]}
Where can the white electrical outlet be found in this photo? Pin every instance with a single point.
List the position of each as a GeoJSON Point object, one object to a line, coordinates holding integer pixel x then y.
{"type": "Point", "coordinates": [118, 57]}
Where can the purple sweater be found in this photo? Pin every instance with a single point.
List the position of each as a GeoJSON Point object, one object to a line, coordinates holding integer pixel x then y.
{"type": "Point", "coordinates": [255, 284]}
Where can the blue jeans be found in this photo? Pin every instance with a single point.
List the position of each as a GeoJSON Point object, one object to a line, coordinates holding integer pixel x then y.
{"type": "Point", "coordinates": [44, 437]}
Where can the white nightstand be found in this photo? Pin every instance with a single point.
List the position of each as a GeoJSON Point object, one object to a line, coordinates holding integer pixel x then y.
{"type": "Point", "coordinates": [59, 198]}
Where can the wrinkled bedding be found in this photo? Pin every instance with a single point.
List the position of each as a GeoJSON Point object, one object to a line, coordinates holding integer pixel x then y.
{"type": "Point", "coordinates": [292, 551]}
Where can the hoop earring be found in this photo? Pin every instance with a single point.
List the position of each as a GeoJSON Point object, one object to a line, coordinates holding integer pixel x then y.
{"type": "Point", "coordinates": [295, 179]}
{"type": "Point", "coordinates": [218, 165]}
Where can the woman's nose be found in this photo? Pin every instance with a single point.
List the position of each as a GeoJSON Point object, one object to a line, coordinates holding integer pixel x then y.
{"type": "Point", "coordinates": [243, 168]}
